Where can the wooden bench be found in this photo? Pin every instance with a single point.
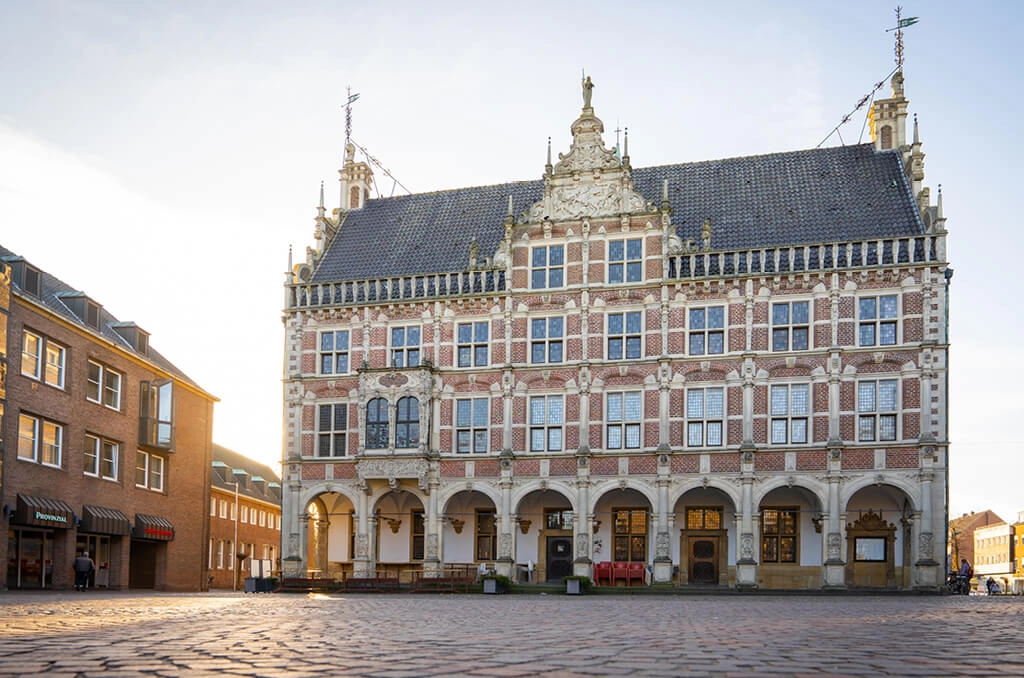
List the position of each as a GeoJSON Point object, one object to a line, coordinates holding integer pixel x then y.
{"type": "Point", "coordinates": [450, 583]}
{"type": "Point", "coordinates": [375, 584]}
{"type": "Point", "coordinates": [306, 585]}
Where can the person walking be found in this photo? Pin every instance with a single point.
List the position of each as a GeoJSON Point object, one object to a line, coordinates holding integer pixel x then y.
{"type": "Point", "coordinates": [83, 566]}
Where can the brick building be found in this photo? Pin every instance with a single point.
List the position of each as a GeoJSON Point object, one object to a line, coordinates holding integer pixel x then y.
{"type": "Point", "coordinates": [105, 444]}
{"type": "Point", "coordinates": [724, 373]}
{"type": "Point", "coordinates": [245, 518]}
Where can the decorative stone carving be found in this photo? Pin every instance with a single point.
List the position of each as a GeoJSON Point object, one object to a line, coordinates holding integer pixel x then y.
{"type": "Point", "coordinates": [582, 545]}
{"type": "Point", "coordinates": [835, 546]}
{"type": "Point", "coordinates": [431, 546]}
{"type": "Point", "coordinates": [661, 544]}
{"type": "Point", "coordinates": [362, 545]}
{"type": "Point", "coordinates": [504, 546]}
{"type": "Point", "coordinates": [924, 545]}
{"type": "Point", "coordinates": [747, 547]}
{"type": "Point", "coordinates": [392, 470]}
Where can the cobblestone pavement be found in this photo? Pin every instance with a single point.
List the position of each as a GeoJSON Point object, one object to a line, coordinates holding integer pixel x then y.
{"type": "Point", "coordinates": [131, 634]}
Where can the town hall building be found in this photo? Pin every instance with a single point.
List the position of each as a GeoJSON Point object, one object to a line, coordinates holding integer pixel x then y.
{"type": "Point", "coordinates": [725, 373]}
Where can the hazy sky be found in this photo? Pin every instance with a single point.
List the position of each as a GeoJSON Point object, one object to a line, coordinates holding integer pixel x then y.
{"type": "Point", "coordinates": [163, 156]}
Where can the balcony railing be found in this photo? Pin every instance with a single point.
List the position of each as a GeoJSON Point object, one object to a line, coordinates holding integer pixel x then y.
{"type": "Point", "coordinates": [822, 257]}
{"type": "Point", "coordinates": [401, 288]}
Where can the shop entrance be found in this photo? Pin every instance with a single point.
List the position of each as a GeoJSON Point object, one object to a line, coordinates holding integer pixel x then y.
{"type": "Point", "coordinates": [98, 547]}
{"type": "Point", "coordinates": [29, 559]}
{"type": "Point", "coordinates": [143, 565]}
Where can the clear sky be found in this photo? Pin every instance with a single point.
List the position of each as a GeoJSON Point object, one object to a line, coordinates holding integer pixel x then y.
{"type": "Point", "coordinates": [163, 156]}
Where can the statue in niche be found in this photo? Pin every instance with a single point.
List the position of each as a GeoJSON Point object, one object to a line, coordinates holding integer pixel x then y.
{"type": "Point", "coordinates": [588, 90]}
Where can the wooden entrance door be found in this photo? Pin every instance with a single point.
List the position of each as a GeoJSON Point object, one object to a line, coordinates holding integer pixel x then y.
{"type": "Point", "coordinates": [559, 558]}
{"type": "Point", "coordinates": [703, 560]}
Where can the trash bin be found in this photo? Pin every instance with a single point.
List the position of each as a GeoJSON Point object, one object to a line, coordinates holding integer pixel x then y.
{"type": "Point", "coordinates": [264, 585]}
{"type": "Point", "coordinates": [250, 584]}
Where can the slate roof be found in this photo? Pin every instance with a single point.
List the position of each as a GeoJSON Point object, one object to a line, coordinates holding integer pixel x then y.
{"type": "Point", "coordinates": [820, 195]}
{"type": "Point", "coordinates": [230, 461]}
{"type": "Point", "coordinates": [51, 286]}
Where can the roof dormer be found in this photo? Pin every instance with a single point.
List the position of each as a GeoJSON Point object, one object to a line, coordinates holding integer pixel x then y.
{"type": "Point", "coordinates": [25, 276]}
{"type": "Point", "coordinates": [136, 337]}
{"type": "Point", "coordinates": [84, 308]}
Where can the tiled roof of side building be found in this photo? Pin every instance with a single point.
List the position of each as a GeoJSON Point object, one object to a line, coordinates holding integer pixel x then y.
{"type": "Point", "coordinates": [801, 197]}
{"type": "Point", "coordinates": [52, 286]}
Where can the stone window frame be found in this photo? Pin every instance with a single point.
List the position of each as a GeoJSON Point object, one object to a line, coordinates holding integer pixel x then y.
{"type": "Point", "coordinates": [334, 352]}
{"type": "Point", "coordinates": [876, 323]}
{"type": "Point", "coordinates": [784, 413]}
{"type": "Point", "coordinates": [406, 353]}
{"type": "Point", "coordinates": [332, 434]}
{"type": "Point", "coordinates": [876, 413]}
{"type": "Point", "coordinates": [552, 346]}
{"type": "Point", "coordinates": [780, 535]}
{"type": "Point", "coordinates": [473, 344]}
{"type": "Point", "coordinates": [472, 428]}
{"type": "Point", "coordinates": [787, 332]}
{"type": "Point", "coordinates": [544, 274]}
{"type": "Point", "coordinates": [621, 333]}
{"type": "Point", "coordinates": [545, 425]}
{"type": "Point", "coordinates": [707, 423]}
{"type": "Point", "coordinates": [626, 266]}
{"type": "Point", "coordinates": [706, 333]}
{"type": "Point", "coordinates": [623, 425]}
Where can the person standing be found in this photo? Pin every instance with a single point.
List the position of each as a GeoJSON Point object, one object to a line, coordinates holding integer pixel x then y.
{"type": "Point", "coordinates": [83, 566]}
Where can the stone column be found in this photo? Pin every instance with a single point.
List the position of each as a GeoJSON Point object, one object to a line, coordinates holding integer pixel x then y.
{"type": "Point", "coordinates": [927, 571]}
{"type": "Point", "coordinates": [746, 562]}
{"type": "Point", "coordinates": [293, 561]}
{"type": "Point", "coordinates": [432, 557]}
{"type": "Point", "coordinates": [662, 557]}
{"type": "Point", "coordinates": [505, 563]}
{"type": "Point", "coordinates": [362, 565]}
{"type": "Point", "coordinates": [582, 529]}
{"type": "Point", "coordinates": [835, 567]}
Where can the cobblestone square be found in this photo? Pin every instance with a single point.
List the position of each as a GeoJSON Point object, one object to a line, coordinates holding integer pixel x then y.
{"type": "Point", "coordinates": [233, 634]}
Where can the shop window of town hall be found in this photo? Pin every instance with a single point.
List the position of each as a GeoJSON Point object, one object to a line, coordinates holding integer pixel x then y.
{"type": "Point", "coordinates": [100, 458]}
{"type": "Point", "coordinates": [103, 385]}
{"type": "Point", "coordinates": [407, 423]}
{"type": "Point", "coordinates": [149, 471]}
{"type": "Point", "coordinates": [334, 352]}
{"type": "Point", "coordinates": [332, 424]}
{"type": "Point", "coordinates": [877, 320]}
{"type": "Point", "coordinates": [546, 335]}
{"type": "Point", "coordinates": [624, 332]}
{"type": "Point", "coordinates": [707, 330]}
{"type": "Point", "coordinates": [876, 410]}
{"type": "Point", "coordinates": [790, 326]}
{"type": "Point", "coordinates": [790, 407]}
{"type": "Point", "coordinates": [703, 518]}
{"type": "Point", "coordinates": [630, 535]}
{"type": "Point", "coordinates": [623, 420]}
{"type": "Point", "coordinates": [40, 440]}
{"type": "Point", "coordinates": [705, 413]}
{"type": "Point", "coordinates": [547, 267]}
{"type": "Point", "coordinates": [486, 534]}
{"type": "Point", "coordinates": [471, 425]}
{"type": "Point", "coordinates": [377, 424]}
{"type": "Point", "coordinates": [418, 532]}
{"type": "Point", "coordinates": [558, 519]}
{"type": "Point", "coordinates": [405, 347]}
{"type": "Point", "coordinates": [156, 424]}
{"type": "Point", "coordinates": [625, 260]}
{"type": "Point", "coordinates": [779, 535]}
{"type": "Point", "coordinates": [473, 341]}
{"type": "Point", "coordinates": [546, 419]}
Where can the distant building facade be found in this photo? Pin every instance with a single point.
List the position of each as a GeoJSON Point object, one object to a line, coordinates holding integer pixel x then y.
{"type": "Point", "coordinates": [961, 534]}
{"type": "Point", "coordinates": [245, 518]}
{"type": "Point", "coordinates": [729, 372]}
{"type": "Point", "coordinates": [994, 554]}
{"type": "Point", "coordinates": [105, 444]}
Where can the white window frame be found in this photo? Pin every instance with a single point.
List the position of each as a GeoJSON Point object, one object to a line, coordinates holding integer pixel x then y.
{"type": "Point", "coordinates": [706, 332]}
{"type": "Point", "coordinates": [788, 328]}
{"type": "Point", "coordinates": [103, 454]}
{"type": "Point", "coordinates": [46, 443]}
{"type": "Point", "coordinates": [472, 345]}
{"type": "Point", "coordinates": [263, 518]}
{"type": "Point", "coordinates": [103, 387]}
{"type": "Point", "coordinates": [470, 430]}
{"type": "Point", "coordinates": [28, 445]}
{"type": "Point", "coordinates": [627, 268]}
{"type": "Point", "coordinates": [877, 322]}
{"type": "Point", "coordinates": [332, 435]}
{"type": "Point", "coordinates": [405, 354]}
{"type": "Point", "coordinates": [545, 274]}
{"type": "Point", "coordinates": [223, 512]}
{"type": "Point", "coordinates": [53, 371]}
{"type": "Point", "coordinates": [220, 554]}
{"type": "Point", "coordinates": [334, 352]}
{"type": "Point", "coordinates": [789, 410]}
{"type": "Point", "coordinates": [152, 468]}
{"type": "Point", "coordinates": [548, 343]}
{"type": "Point", "coordinates": [244, 513]}
{"type": "Point", "coordinates": [625, 336]}
{"type": "Point", "coordinates": [624, 417]}
{"type": "Point", "coordinates": [706, 417]}
{"type": "Point", "coordinates": [547, 423]}
{"type": "Point", "coordinates": [873, 414]}
{"type": "Point", "coordinates": [31, 355]}
{"type": "Point", "coordinates": [213, 506]}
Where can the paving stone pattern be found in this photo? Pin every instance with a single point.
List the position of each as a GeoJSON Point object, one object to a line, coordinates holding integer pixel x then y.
{"type": "Point", "coordinates": [131, 634]}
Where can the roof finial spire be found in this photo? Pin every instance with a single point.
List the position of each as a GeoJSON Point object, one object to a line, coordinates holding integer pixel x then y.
{"type": "Point", "coordinates": [917, 136]}
{"type": "Point", "coordinates": [548, 167]}
{"type": "Point", "coordinates": [900, 25]}
{"type": "Point", "coordinates": [509, 204]}
{"type": "Point", "coordinates": [321, 194]}
{"type": "Point", "coordinates": [938, 205]}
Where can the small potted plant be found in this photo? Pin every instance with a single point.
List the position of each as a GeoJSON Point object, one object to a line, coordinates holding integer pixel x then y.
{"type": "Point", "coordinates": [576, 584]}
{"type": "Point", "coordinates": [495, 583]}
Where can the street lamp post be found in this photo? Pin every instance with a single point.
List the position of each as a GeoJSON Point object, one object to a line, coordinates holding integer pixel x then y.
{"type": "Point", "coordinates": [234, 578]}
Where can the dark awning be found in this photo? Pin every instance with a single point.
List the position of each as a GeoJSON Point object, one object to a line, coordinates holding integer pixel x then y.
{"type": "Point", "coordinates": [153, 527]}
{"type": "Point", "coordinates": [44, 512]}
{"type": "Point", "coordinates": [103, 520]}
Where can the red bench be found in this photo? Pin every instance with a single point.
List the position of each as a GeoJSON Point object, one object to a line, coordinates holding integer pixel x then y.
{"type": "Point", "coordinates": [603, 570]}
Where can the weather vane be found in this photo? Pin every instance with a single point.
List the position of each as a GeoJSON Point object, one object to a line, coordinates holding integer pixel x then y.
{"type": "Point", "coordinates": [348, 113]}
{"type": "Point", "coordinates": [900, 25]}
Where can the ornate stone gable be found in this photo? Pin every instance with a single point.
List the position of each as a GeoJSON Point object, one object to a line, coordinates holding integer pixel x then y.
{"type": "Point", "coordinates": [590, 180]}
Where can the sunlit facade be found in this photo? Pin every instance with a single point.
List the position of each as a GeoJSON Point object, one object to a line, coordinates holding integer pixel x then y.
{"type": "Point", "coordinates": [727, 373]}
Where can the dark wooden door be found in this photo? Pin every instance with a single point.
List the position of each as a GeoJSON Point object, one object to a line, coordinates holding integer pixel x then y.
{"type": "Point", "coordinates": [703, 560]}
{"type": "Point", "coordinates": [559, 560]}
